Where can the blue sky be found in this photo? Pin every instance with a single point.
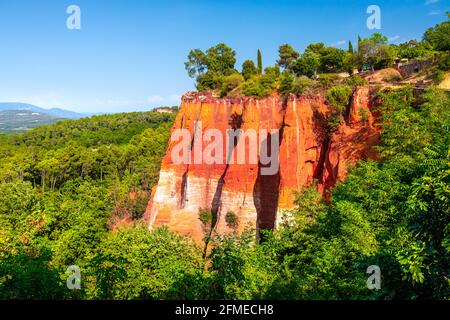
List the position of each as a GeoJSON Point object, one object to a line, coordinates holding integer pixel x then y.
{"type": "Point", "coordinates": [129, 54]}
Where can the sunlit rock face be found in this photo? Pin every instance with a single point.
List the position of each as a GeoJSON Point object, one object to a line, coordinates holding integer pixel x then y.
{"type": "Point", "coordinates": [307, 153]}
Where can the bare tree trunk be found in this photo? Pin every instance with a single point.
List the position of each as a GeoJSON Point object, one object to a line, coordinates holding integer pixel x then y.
{"type": "Point", "coordinates": [43, 180]}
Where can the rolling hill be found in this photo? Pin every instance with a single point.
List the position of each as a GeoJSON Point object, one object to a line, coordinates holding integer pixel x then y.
{"type": "Point", "coordinates": [19, 117]}
{"type": "Point", "coordinates": [14, 121]}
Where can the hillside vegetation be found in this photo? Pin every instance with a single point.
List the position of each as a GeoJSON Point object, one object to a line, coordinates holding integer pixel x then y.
{"type": "Point", "coordinates": [319, 67]}
{"type": "Point", "coordinates": [64, 188]}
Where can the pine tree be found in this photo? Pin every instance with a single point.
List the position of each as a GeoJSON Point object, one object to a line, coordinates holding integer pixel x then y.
{"type": "Point", "coordinates": [260, 67]}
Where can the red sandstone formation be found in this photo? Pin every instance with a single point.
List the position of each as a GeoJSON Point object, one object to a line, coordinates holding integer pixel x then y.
{"type": "Point", "coordinates": [308, 152]}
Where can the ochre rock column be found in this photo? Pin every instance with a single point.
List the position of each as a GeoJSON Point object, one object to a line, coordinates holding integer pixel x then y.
{"type": "Point", "coordinates": [307, 152]}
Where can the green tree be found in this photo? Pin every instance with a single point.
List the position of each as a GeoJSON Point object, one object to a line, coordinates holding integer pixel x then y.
{"type": "Point", "coordinates": [375, 53]}
{"type": "Point", "coordinates": [350, 62]}
{"type": "Point", "coordinates": [332, 59]}
{"type": "Point", "coordinates": [308, 64]}
{"type": "Point", "coordinates": [209, 80]}
{"type": "Point", "coordinates": [439, 35]}
{"type": "Point", "coordinates": [413, 50]}
{"type": "Point", "coordinates": [287, 56]}
{"type": "Point", "coordinates": [260, 64]}
{"type": "Point", "coordinates": [315, 47]}
{"type": "Point", "coordinates": [350, 47]}
{"type": "Point", "coordinates": [197, 63]}
{"type": "Point", "coordinates": [359, 43]}
{"type": "Point", "coordinates": [239, 268]}
{"type": "Point", "coordinates": [138, 264]}
{"type": "Point", "coordinates": [378, 38]}
{"type": "Point", "coordinates": [221, 59]}
{"type": "Point", "coordinates": [248, 69]}
{"type": "Point", "coordinates": [211, 67]}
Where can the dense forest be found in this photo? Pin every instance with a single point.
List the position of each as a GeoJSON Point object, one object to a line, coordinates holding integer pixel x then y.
{"type": "Point", "coordinates": [74, 193]}
{"type": "Point", "coordinates": [64, 187]}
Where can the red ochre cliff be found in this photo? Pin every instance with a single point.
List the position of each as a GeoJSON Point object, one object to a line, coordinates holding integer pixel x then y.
{"type": "Point", "coordinates": [307, 152]}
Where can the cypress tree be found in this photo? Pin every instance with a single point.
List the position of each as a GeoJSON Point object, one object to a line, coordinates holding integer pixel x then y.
{"type": "Point", "coordinates": [260, 67]}
{"type": "Point", "coordinates": [350, 47]}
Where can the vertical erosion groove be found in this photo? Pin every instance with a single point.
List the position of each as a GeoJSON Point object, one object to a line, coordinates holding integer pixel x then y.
{"type": "Point", "coordinates": [235, 123]}
{"type": "Point", "coordinates": [266, 191]}
{"type": "Point", "coordinates": [184, 179]}
{"type": "Point", "coordinates": [320, 122]}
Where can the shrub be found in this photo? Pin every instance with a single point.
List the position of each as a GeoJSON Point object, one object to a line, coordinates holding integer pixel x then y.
{"type": "Point", "coordinates": [230, 83]}
{"type": "Point", "coordinates": [438, 76]}
{"type": "Point", "coordinates": [364, 114]}
{"type": "Point", "coordinates": [262, 85]}
{"type": "Point", "coordinates": [334, 122]}
{"type": "Point", "coordinates": [138, 205]}
{"type": "Point", "coordinates": [270, 78]}
{"type": "Point", "coordinates": [327, 80]}
{"type": "Point", "coordinates": [253, 87]}
{"type": "Point", "coordinates": [268, 83]}
{"type": "Point", "coordinates": [356, 80]}
{"type": "Point", "coordinates": [339, 97]}
{"type": "Point", "coordinates": [302, 85]}
{"type": "Point", "coordinates": [444, 63]}
{"type": "Point", "coordinates": [392, 78]}
{"type": "Point", "coordinates": [205, 216]}
{"type": "Point", "coordinates": [209, 80]}
{"type": "Point", "coordinates": [232, 220]}
{"type": "Point", "coordinates": [259, 86]}
{"type": "Point", "coordinates": [286, 82]}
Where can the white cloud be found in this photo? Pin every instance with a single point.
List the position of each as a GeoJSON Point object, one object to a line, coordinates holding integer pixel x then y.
{"type": "Point", "coordinates": [155, 99]}
{"type": "Point", "coordinates": [427, 2]}
{"type": "Point", "coordinates": [394, 38]}
{"type": "Point", "coordinates": [339, 43]}
{"type": "Point", "coordinates": [434, 12]}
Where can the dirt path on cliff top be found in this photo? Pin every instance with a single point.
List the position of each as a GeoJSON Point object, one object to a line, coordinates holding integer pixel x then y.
{"type": "Point", "coordinates": [446, 83]}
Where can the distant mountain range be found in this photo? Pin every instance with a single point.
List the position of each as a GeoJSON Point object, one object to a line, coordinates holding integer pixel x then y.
{"type": "Point", "coordinates": [54, 112]}
{"type": "Point", "coordinates": [19, 117]}
{"type": "Point", "coordinates": [14, 121]}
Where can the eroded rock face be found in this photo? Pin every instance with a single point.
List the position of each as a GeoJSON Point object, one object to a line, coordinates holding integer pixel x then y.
{"type": "Point", "coordinates": [307, 152]}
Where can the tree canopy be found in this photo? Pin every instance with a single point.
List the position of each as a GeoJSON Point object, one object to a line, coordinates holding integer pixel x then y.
{"type": "Point", "coordinates": [214, 70]}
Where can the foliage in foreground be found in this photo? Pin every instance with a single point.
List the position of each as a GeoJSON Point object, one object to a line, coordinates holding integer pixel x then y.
{"type": "Point", "coordinates": [393, 213]}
